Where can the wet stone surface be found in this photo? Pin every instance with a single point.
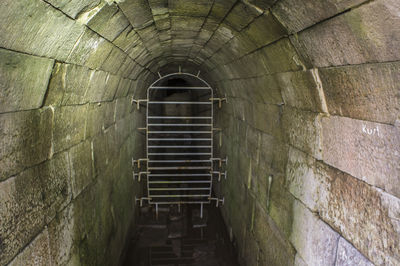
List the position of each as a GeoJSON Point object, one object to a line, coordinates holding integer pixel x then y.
{"type": "Point", "coordinates": [177, 239]}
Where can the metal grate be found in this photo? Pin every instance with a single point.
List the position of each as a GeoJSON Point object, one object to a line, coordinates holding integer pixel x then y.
{"type": "Point", "coordinates": [179, 143]}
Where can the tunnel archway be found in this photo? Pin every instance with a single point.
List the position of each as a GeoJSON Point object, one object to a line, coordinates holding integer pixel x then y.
{"type": "Point", "coordinates": [311, 127]}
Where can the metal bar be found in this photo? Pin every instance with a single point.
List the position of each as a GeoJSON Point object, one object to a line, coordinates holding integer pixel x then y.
{"type": "Point", "coordinates": [162, 102]}
{"type": "Point", "coordinates": [180, 147]}
{"type": "Point", "coordinates": [179, 202]}
{"type": "Point", "coordinates": [171, 175]}
{"type": "Point", "coordinates": [184, 88]}
{"type": "Point", "coordinates": [179, 132]}
{"type": "Point", "coordinates": [179, 125]}
{"type": "Point", "coordinates": [180, 182]}
{"type": "Point", "coordinates": [178, 188]}
{"type": "Point", "coordinates": [180, 161]}
{"type": "Point", "coordinates": [182, 139]}
{"type": "Point", "coordinates": [179, 196]}
{"type": "Point", "coordinates": [179, 117]}
{"type": "Point", "coordinates": [180, 168]}
{"type": "Point", "coordinates": [177, 153]}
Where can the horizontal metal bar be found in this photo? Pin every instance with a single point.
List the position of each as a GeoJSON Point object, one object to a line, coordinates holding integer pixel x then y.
{"type": "Point", "coordinates": [177, 153]}
{"type": "Point", "coordinates": [179, 125]}
{"type": "Point", "coordinates": [171, 175]}
{"type": "Point", "coordinates": [180, 161]}
{"type": "Point", "coordinates": [178, 196]}
{"type": "Point", "coordinates": [178, 189]}
{"type": "Point", "coordinates": [180, 168]}
{"type": "Point", "coordinates": [180, 147]}
{"type": "Point", "coordinates": [168, 102]}
{"type": "Point", "coordinates": [178, 132]}
{"type": "Point", "coordinates": [183, 88]}
{"type": "Point", "coordinates": [180, 182]}
{"type": "Point", "coordinates": [179, 117]}
{"type": "Point", "coordinates": [179, 202]}
{"type": "Point", "coordinates": [176, 139]}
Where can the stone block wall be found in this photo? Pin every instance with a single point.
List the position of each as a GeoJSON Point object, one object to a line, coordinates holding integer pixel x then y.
{"type": "Point", "coordinates": [67, 133]}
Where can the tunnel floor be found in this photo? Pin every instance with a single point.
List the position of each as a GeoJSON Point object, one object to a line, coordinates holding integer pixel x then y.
{"type": "Point", "coordinates": [180, 238]}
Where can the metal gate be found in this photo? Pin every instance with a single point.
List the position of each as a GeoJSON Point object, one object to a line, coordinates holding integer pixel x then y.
{"type": "Point", "coordinates": [179, 163]}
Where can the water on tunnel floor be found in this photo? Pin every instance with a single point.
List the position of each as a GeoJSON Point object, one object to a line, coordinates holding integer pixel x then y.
{"type": "Point", "coordinates": [180, 238]}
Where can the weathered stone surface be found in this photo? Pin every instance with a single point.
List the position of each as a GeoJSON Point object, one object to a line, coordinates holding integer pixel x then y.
{"type": "Point", "coordinates": [366, 150]}
{"type": "Point", "coordinates": [301, 90]}
{"type": "Point", "coordinates": [123, 88]}
{"type": "Point", "coordinates": [302, 130]}
{"type": "Point", "coordinates": [127, 40]}
{"type": "Point", "coordinates": [73, 7]}
{"type": "Point", "coordinates": [348, 255]}
{"type": "Point", "coordinates": [69, 126]}
{"type": "Point", "coordinates": [109, 22]}
{"type": "Point", "coordinates": [99, 117]}
{"type": "Point", "coordinates": [314, 240]}
{"type": "Point", "coordinates": [368, 92]}
{"type": "Point", "coordinates": [194, 8]}
{"type": "Point", "coordinates": [138, 12]}
{"type": "Point", "coordinates": [101, 87]}
{"type": "Point", "coordinates": [62, 239]}
{"type": "Point", "coordinates": [25, 138]}
{"type": "Point", "coordinates": [275, 247]}
{"type": "Point", "coordinates": [123, 107]}
{"type": "Point", "coordinates": [365, 34]}
{"type": "Point", "coordinates": [297, 15]}
{"type": "Point", "coordinates": [362, 214]}
{"type": "Point", "coordinates": [29, 201]}
{"type": "Point", "coordinates": [241, 15]}
{"type": "Point", "coordinates": [44, 31]}
{"type": "Point", "coordinates": [24, 80]}
{"type": "Point", "coordinates": [36, 253]}
{"type": "Point", "coordinates": [302, 181]}
{"type": "Point", "coordinates": [68, 85]}
{"type": "Point", "coordinates": [80, 157]}
{"type": "Point", "coordinates": [264, 30]}
{"type": "Point", "coordinates": [114, 61]}
{"type": "Point", "coordinates": [84, 54]}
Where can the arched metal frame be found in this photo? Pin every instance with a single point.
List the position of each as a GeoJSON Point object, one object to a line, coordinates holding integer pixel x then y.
{"type": "Point", "coordinates": [188, 188]}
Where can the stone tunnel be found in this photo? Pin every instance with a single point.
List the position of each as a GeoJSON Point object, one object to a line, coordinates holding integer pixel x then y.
{"type": "Point", "coordinates": [311, 125]}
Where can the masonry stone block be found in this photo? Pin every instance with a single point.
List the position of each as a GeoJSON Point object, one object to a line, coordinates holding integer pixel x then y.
{"type": "Point", "coordinates": [26, 140]}
{"type": "Point", "coordinates": [68, 85]}
{"type": "Point", "coordinates": [367, 217]}
{"type": "Point", "coordinates": [138, 12]}
{"type": "Point", "coordinates": [36, 253]}
{"type": "Point", "coordinates": [194, 8]}
{"type": "Point", "coordinates": [69, 126]}
{"type": "Point", "coordinates": [315, 241]}
{"type": "Point", "coordinates": [275, 247]}
{"type": "Point", "coordinates": [298, 15]}
{"type": "Point", "coordinates": [81, 162]}
{"type": "Point", "coordinates": [99, 118]}
{"type": "Point", "coordinates": [366, 150]}
{"type": "Point", "coordinates": [43, 31]}
{"type": "Point", "coordinates": [348, 255]}
{"type": "Point", "coordinates": [301, 89]}
{"type": "Point", "coordinates": [358, 36]}
{"type": "Point", "coordinates": [109, 22]}
{"type": "Point", "coordinates": [74, 7]}
{"type": "Point", "coordinates": [367, 92]}
{"type": "Point", "coordinates": [29, 201]}
{"type": "Point", "coordinates": [264, 30]}
{"type": "Point", "coordinates": [241, 15]}
{"type": "Point", "coordinates": [84, 54]}
{"type": "Point", "coordinates": [303, 130]}
{"type": "Point", "coordinates": [24, 80]}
